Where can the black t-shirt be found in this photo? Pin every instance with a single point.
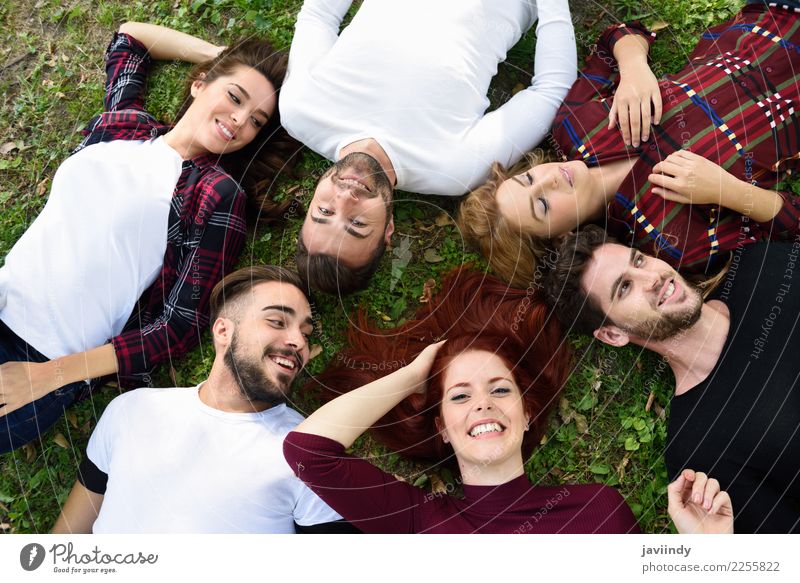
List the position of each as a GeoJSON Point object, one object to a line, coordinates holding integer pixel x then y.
{"type": "Point", "coordinates": [742, 424]}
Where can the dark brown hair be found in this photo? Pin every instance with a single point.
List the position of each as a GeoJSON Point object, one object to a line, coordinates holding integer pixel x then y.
{"type": "Point", "coordinates": [563, 289]}
{"type": "Point", "coordinates": [474, 311]}
{"type": "Point", "coordinates": [272, 152]}
{"type": "Point", "coordinates": [327, 274]}
{"type": "Point", "coordinates": [236, 284]}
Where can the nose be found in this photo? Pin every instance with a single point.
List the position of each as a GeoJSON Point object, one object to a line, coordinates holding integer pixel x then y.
{"type": "Point", "coordinates": [237, 116]}
{"type": "Point", "coordinates": [483, 403]}
{"type": "Point", "coordinates": [650, 279]}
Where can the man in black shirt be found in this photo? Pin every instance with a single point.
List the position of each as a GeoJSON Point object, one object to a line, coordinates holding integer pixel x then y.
{"type": "Point", "coordinates": [735, 414]}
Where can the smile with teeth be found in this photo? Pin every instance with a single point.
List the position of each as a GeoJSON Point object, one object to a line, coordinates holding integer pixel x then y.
{"type": "Point", "coordinates": [668, 293]}
{"type": "Point", "coordinates": [486, 428]}
{"type": "Point", "coordinates": [283, 362]}
{"type": "Point", "coordinates": [225, 131]}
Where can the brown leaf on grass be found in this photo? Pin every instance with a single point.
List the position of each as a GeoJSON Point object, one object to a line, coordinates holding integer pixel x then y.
{"type": "Point", "coordinates": [30, 451]}
{"type": "Point", "coordinates": [431, 256]}
{"type": "Point", "coordinates": [543, 440]}
{"type": "Point", "coordinates": [596, 385]}
{"type": "Point", "coordinates": [173, 375]}
{"type": "Point", "coordinates": [638, 364]}
{"type": "Point", "coordinates": [72, 418]}
{"type": "Point", "coordinates": [3, 507]}
{"type": "Point", "coordinates": [401, 478]}
{"type": "Point", "coordinates": [293, 189]}
{"type": "Point", "coordinates": [517, 88]}
{"type": "Point", "coordinates": [61, 441]}
{"type": "Point", "coordinates": [650, 399]}
{"type": "Point", "coordinates": [384, 317]}
{"type": "Point", "coordinates": [565, 411]}
{"type": "Point", "coordinates": [41, 187]}
{"type": "Point", "coordinates": [420, 226]}
{"type": "Point", "coordinates": [5, 525]}
{"type": "Point", "coordinates": [443, 220]}
{"type": "Point", "coordinates": [64, 58]}
{"type": "Point", "coordinates": [580, 423]}
{"type": "Point", "coordinates": [8, 147]}
{"type": "Point", "coordinates": [437, 486]}
{"type": "Point", "coordinates": [621, 467]}
{"type": "Point", "coordinates": [316, 350]}
{"type": "Point", "coordinates": [427, 291]}
{"type": "Point", "coordinates": [659, 25]}
{"type": "Point", "coordinates": [660, 411]}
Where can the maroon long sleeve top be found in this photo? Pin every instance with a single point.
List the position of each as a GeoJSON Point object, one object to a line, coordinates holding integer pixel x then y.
{"type": "Point", "coordinates": [376, 502]}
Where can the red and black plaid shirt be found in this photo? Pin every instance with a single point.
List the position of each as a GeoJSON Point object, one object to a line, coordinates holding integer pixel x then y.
{"type": "Point", "coordinates": [206, 229]}
{"type": "Point", "coordinates": [735, 103]}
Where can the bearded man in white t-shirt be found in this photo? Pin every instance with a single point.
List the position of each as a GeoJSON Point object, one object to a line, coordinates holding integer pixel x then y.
{"type": "Point", "coordinates": [208, 459]}
{"type": "Point", "coordinates": [399, 99]}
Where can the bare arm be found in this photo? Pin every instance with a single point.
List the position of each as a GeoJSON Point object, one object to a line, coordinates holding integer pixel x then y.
{"type": "Point", "coordinates": [348, 416]}
{"type": "Point", "coordinates": [79, 512]}
{"type": "Point", "coordinates": [24, 382]}
{"type": "Point", "coordinates": [167, 44]}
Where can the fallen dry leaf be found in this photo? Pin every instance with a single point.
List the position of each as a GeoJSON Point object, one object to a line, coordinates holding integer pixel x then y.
{"type": "Point", "coordinates": [517, 88]}
{"type": "Point", "coordinates": [173, 375]}
{"type": "Point", "coordinates": [437, 486]}
{"type": "Point", "coordinates": [431, 256]}
{"type": "Point", "coordinates": [580, 423]}
{"type": "Point", "coordinates": [7, 148]}
{"type": "Point", "coordinates": [427, 291]}
{"type": "Point", "coordinates": [5, 525]}
{"type": "Point", "coordinates": [61, 441]}
{"type": "Point", "coordinates": [443, 220]}
{"type": "Point", "coordinates": [30, 451]}
{"type": "Point", "coordinates": [316, 350]}
{"type": "Point", "coordinates": [72, 418]}
{"type": "Point", "coordinates": [41, 188]}
{"type": "Point", "coordinates": [650, 399]}
{"type": "Point", "coordinates": [659, 25]}
{"type": "Point", "coordinates": [401, 478]}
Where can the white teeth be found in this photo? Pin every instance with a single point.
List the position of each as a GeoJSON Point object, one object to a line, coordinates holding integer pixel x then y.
{"type": "Point", "coordinates": [288, 363]}
{"type": "Point", "coordinates": [225, 131]}
{"type": "Point", "coordinates": [351, 182]}
{"type": "Point", "coordinates": [485, 428]}
{"type": "Point", "coordinates": [669, 292]}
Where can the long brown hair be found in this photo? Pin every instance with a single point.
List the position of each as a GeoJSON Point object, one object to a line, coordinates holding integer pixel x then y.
{"type": "Point", "coordinates": [513, 255]}
{"type": "Point", "coordinates": [473, 311]}
{"type": "Point", "coordinates": [272, 152]}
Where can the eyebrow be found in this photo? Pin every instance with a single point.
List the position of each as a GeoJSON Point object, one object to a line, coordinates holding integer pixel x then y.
{"type": "Point", "coordinates": [348, 229]}
{"type": "Point", "coordinates": [288, 311]}
{"type": "Point", "coordinates": [247, 95]}
{"type": "Point", "coordinates": [619, 279]}
{"type": "Point", "coordinates": [492, 380]}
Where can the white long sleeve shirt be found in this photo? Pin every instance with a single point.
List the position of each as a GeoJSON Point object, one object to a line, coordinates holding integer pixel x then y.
{"type": "Point", "coordinates": [414, 76]}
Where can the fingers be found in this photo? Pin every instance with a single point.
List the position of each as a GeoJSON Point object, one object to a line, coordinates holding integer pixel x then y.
{"type": "Point", "coordinates": [634, 112]}
{"type": "Point", "coordinates": [698, 488]}
{"type": "Point", "coordinates": [623, 115]}
{"type": "Point", "coordinates": [665, 181]}
{"type": "Point", "coordinates": [671, 195]}
{"type": "Point", "coordinates": [722, 504]}
{"type": "Point", "coordinates": [667, 166]}
{"type": "Point", "coordinates": [657, 107]}
{"type": "Point", "coordinates": [645, 120]}
{"type": "Point", "coordinates": [675, 498]}
{"type": "Point", "coordinates": [612, 115]}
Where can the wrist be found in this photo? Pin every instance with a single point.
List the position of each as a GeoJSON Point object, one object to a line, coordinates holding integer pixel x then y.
{"type": "Point", "coordinates": [47, 376]}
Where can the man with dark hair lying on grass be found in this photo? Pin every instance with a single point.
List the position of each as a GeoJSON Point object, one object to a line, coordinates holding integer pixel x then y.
{"type": "Point", "coordinates": [208, 459]}
{"type": "Point", "coordinates": [735, 413]}
{"type": "Point", "coordinates": [399, 98]}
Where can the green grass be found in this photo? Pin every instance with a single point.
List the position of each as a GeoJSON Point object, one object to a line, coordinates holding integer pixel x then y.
{"type": "Point", "coordinates": [51, 83]}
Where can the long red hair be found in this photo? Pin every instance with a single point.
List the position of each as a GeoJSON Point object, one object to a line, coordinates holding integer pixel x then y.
{"type": "Point", "coordinates": [473, 311]}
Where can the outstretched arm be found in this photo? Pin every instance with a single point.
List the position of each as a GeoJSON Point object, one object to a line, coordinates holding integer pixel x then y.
{"type": "Point", "coordinates": [79, 512]}
{"type": "Point", "coordinates": [316, 31]}
{"type": "Point", "coordinates": [349, 415]}
{"type": "Point", "coordinates": [698, 506]}
{"type": "Point", "coordinates": [167, 44]}
{"type": "Point", "coordinates": [25, 382]}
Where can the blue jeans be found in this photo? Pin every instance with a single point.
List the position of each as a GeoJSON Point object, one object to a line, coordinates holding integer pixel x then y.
{"type": "Point", "coordinates": [29, 422]}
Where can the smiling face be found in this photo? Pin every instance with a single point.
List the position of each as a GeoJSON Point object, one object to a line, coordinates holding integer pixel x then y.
{"type": "Point", "coordinates": [643, 296]}
{"type": "Point", "coordinates": [228, 112]}
{"type": "Point", "coordinates": [483, 416]}
{"type": "Point", "coordinates": [548, 199]}
{"type": "Point", "coordinates": [350, 211]}
{"type": "Point", "coordinates": [269, 346]}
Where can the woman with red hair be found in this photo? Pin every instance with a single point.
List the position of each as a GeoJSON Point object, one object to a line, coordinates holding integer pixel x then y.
{"type": "Point", "coordinates": [480, 399]}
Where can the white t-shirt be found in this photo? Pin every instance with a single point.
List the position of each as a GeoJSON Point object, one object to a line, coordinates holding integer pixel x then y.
{"type": "Point", "coordinates": [71, 281]}
{"type": "Point", "coordinates": [176, 465]}
{"type": "Point", "coordinates": [414, 75]}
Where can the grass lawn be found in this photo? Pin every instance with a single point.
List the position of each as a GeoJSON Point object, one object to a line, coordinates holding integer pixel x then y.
{"type": "Point", "coordinates": [610, 425]}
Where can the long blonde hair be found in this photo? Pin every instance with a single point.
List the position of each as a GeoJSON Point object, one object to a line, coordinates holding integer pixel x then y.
{"type": "Point", "coordinates": [513, 256]}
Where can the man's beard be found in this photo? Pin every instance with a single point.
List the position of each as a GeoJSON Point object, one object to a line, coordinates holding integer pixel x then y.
{"type": "Point", "coordinates": [370, 167]}
{"type": "Point", "coordinates": [252, 379]}
{"type": "Point", "coordinates": [670, 324]}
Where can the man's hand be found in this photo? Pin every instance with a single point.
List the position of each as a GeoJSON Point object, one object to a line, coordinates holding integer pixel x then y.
{"type": "Point", "coordinates": [637, 90]}
{"type": "Point", "coordinates": [22, 383]}
{"type": "Point", "coordinates": [697, 506]}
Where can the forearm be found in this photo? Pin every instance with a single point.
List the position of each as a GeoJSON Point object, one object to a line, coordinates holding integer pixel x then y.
{"type": "Point", "coordinates": [348, 416]}
{"type": "Point", "coordinates": [167, 44]}
{"type": "Point", "coordinates": [94, 363]}
{"type": "Point", "coordinates": [80, 511]}
{"type": "Point", "coordinates": [631, 54]}
{"type": "Point", "coordinates": [758, 204]}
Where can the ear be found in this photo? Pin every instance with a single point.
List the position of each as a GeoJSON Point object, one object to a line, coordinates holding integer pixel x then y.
{"type": "Point", "coordinates": [197, 85]}
{"type": "Point", "coordinates": [527, 422]}
{"type": "Point", "coordinates": [222, 331]}
{"type": "Point", "coordinates": [389, 230]}
{"type": "Point", "coordinates": [441, 429]}
{"type": "Point", "coordinates": [612, 335]}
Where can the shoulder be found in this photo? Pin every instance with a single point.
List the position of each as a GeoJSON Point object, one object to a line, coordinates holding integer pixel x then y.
{"type": "Point", "coordinates": [285, 419]}
{"type": "Point", "coordinates": [214, 181]}
{"type": "Point", "coordinates": [147, 398]}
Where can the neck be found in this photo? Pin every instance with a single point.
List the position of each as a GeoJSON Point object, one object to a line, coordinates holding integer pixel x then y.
{"type": "Point", "coordinates": [693, 353]}
{"type": "Point", "coordinates": [606, 180]}
{"type": "Point", "coordinates": [222, 392]}
{"type": "Point", "coordinates": [179, 138]}
{"type": "Point", "coordinates": [491, 474]}
{"type": "Point", "coordinates": [374, 149]}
